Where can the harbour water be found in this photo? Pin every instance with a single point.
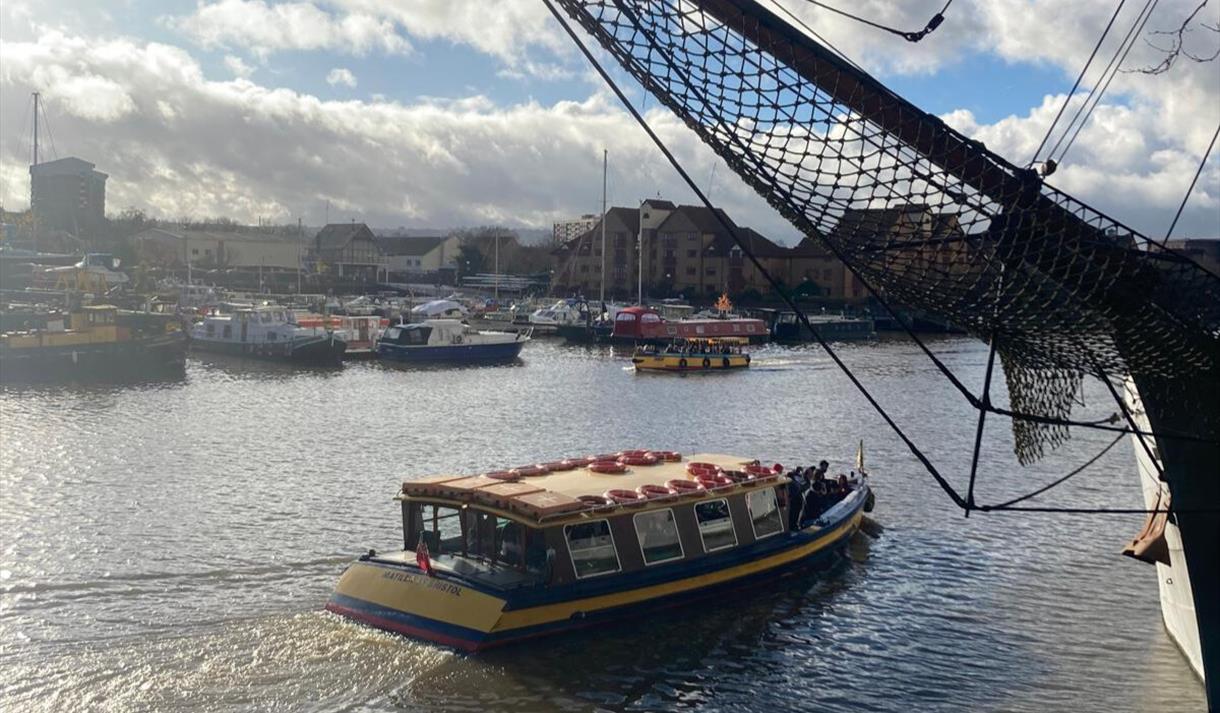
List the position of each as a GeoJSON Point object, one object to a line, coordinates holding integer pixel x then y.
{"type": "Point", "coordinates": [170, 544]}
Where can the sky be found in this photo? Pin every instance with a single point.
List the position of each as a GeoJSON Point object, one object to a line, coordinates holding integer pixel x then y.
{"type": "Point", "coordinates": [447, 113]}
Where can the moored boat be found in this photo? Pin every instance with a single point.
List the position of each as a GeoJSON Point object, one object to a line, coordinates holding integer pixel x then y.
{"type": "Point", "coordinates": [441, 340]}
{"type": "Point", "coordinates": [266, 332]}
{"type": "Point", "coordinates": [500, 557]}
{"type": "Point", "coordinates": [642, 325]}
{"type": "Point", "coordinates": [687, 355]}
{"type": "Point", "coordinates": [97, 341]}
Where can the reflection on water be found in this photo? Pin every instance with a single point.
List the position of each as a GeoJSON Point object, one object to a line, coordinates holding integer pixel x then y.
{"type": "Point", "coordinates": [170, 544]}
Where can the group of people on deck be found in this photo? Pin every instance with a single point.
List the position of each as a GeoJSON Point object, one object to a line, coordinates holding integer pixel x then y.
{"type": "Point", "coordinates": [811, 492]}
{"type": "Point", "coordinates": [700, 347]}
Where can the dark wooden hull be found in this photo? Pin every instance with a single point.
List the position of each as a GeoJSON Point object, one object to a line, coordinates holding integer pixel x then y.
{"type": "Point", "coordinates": [142, 356]}
{"type": "Point", "coordinates": [321, 350]}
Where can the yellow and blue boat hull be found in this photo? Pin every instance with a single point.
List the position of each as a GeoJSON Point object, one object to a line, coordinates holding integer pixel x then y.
{"type": "Point", "coordinates": [691, 362]}
{"type": "Point", "coordinates": [449, 610]}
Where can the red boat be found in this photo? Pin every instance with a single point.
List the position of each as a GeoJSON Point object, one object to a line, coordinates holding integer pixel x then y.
{"type": "Point", "coordinates": [642, 324]}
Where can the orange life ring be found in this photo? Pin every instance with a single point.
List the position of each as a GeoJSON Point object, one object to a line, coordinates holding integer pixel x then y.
{"type": "Point", "coordinates": [711, 482]}
{"type": "Point", "coordinates": [607, 466]}
{"type": "Point", "coordinates": [667, 456]}
{"type": "Point", "coordinates": [757, 469]}
{"type": "Point", "coordinates": [697, 468]}
{"type": "Point", "coordinates": [580, 462]}
{"type": "Point", "coordinates": [528, 471]}
{"type": "Point", "coordinates": [625, 497]}
{"type": "Point", "coordinates": [603, 456]}
{"type": "Point", "coordinates": [635, 452]}
{"type": "Point", "coordinates": [684, 487]}
{"type": "Point", "coordinates": [737, 476]}
{"type": "Point", "coordinates": [557, 465]}
{"type": "Point", "coordinates": [595, 500]}
{"type": "Point", "coordinates": [642, 459]}
{"type": "Point", "coordinates": [654, 491]}
{"type": "Point", "coordinates": [502, 475]}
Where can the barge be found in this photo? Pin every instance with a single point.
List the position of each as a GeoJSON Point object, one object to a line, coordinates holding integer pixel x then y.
{"type": "Point", "coordinates": [491, 559]}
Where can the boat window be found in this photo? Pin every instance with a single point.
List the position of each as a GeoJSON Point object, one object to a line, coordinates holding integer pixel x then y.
{"type": "Point", "coordinates": [592, 548]}
{"type": "Point", "coordinates": [625, 317]}
{"type": "Point", "coordinates": [210, 329]}
{"type": "Point", "coordinates": [391, 334]}
{"type": "Point", "coordinates": [658, 535]}
{"type": "Point", "coordinates": [418, 336]}
{"type": "Point", "coordinates": [228, 331]}
{"type": "Point", "coordinates": [764, 513]}
{"type": "Point", "coordinates": [715, 525]}
{"type": "Point", "coordinates": [442, 530]}
{"type": "Point", "coordinates": [650, 318]}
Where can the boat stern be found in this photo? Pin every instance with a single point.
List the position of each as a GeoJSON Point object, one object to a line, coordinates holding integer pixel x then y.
{"type": "Point", "coordinates": [400, 598]}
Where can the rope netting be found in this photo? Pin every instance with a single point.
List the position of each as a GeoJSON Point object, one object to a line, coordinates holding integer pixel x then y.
{"type": "Point", "coordinates": [925, 216]}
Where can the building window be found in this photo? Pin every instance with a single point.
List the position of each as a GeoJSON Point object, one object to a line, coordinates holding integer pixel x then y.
{"type": "Point", "coordinates": [584, 268]}
{"type": "Point", "coordinates": [691, 253]}
{"type": "Point", "coordinates": [658, 534]}
{"type": "Point", "coordinates": [592, 548]}
{"type": "Point", "coordinates": [711, 272]}
{"type": "Point", "coordinates": [194, 251]}
{"type": "Point", "coordinates": [691, 270]}
{"type": "Point", "coordinates": [715, 525]}
{"type": "Point", "coordinates": [764, 513]}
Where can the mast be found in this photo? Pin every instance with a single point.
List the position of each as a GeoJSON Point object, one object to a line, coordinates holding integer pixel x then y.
{"type": "Point", "coordinates": [639, 273]}
{"type": "Point", "coordinates": [605, 159]}
{"type": "Point", "coordinates": [33, 212]}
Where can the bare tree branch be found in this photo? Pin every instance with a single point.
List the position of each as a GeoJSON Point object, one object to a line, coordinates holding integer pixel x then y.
{"type": "Point", "coordinates": [1176, 49]}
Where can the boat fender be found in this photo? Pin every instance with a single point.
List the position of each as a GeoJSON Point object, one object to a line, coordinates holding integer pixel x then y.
{"type": "Point", "coordinates": [747, 358]}
{"type": "Point", "coordinates": [870, 502]}
{"type": "Point", "coordinates": [681, 363]}
{"type": "Point", "coordinates": [707, 363]}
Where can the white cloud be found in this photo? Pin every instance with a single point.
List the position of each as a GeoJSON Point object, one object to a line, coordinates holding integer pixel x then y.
{"type": "Point", "coordinates": [340, 75]}
{"type": "Point", "coordinates": [264, 28]}
{"type": "Point", "coordinates": [238, 66]}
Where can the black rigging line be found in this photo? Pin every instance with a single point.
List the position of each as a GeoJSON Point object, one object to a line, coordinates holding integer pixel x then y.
{"type": "Point", "coordinates": [914, 449]}
{"type": "Point", "coordinates": [745, 248]}
{"type": "Point", "coordinates": [1007, 504]}
{"type": "Point", "coordinates": [1067, 100]}
{"type": "Point", "coordinates": [1191, 189]}
{"type": "Point", "coordinates": [908, 36]}
{"type": "Point", "coordinates": [1099, 89]}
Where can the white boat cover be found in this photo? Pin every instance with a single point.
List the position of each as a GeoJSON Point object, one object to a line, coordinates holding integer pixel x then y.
{"type": "Point", "coordinates": [439, 308]}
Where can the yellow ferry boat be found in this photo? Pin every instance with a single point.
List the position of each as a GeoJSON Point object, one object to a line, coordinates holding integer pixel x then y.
{"type": "Point", "coordinates": [691, 355]}
{"type": "Point", "coordinates": [98, 340]}
{"type": "Point", "coordinates": [496, 558]}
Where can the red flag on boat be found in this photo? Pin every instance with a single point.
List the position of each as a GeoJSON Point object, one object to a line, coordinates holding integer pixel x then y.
{"type": "Point", "coordinates": [422, 558]}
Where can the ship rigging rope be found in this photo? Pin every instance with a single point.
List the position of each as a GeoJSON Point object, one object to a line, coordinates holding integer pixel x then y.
{"type": "Point", "coordinates": [1076, 85]}
{"type": "Point", "coordinates": [703, 61]}
{"type": "Point", "coordinates": [1191, 188]}
{"type": "Point", "coordinates": [908, 36]}
{"type": "Point", "coordinates": [1103, 83]}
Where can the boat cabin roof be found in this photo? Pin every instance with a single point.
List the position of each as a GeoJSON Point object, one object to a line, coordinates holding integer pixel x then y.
{"type": "Point", "coordinates": [555, 496]}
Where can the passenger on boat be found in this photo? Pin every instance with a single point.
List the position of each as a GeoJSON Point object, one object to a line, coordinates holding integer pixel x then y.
{"type": "Point", "coordinates": [798, 487]}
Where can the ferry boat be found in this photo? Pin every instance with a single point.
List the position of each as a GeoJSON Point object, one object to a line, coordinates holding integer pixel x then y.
{"type": "Point", "coordinates": [96, 341]}
{"type": "Point", "coordinates": [643, 325]}
{"type": "Point", "coordinates": [436, 340]}
{"type": "Point", "coordinates": [265, 332]}
{"type": "Point", "coordinates": [687, 355]}
{"type": "Point", "coordinates": [496, 558]}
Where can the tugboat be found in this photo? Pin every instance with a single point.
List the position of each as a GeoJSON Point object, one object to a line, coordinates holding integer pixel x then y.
{"type": "Point", "coordinates": [96, 341]}
{"type": "Point", "coordinates": [500, 557]}
{"type": "Point", "coordinates": [440, 340]}
{"type": "Point", "coordinates": [687, 355]}
{"type": "Point", "coordinates": [266, 332]}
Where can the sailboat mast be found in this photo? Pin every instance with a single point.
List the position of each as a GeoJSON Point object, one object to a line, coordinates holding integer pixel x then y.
{"type": "Point", "coordinates": [33, 212]}
{"type": "Point", "coordinates": [605, 160]}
